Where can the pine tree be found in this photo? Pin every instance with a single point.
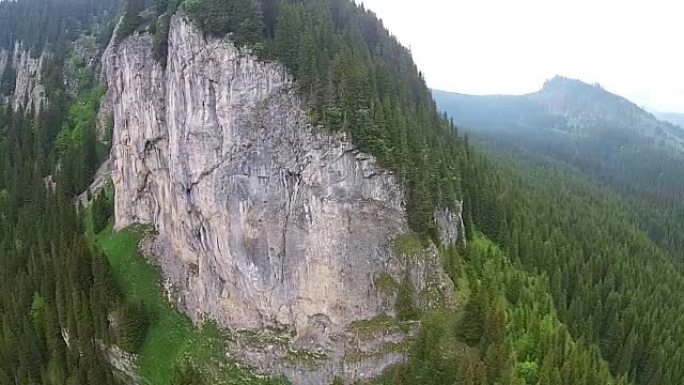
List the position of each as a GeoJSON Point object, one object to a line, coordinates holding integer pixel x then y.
{"type": "Point", "coordinates": [471, 327]}
{"type": "Point", "coordinates": [406, 309]}
{"type": "Point", "coordinates": [130, 20]}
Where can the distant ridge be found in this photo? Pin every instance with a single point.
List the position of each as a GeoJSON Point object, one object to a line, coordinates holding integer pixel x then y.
{"type": "Point", "coordinates": [601, 134]}
{"type": "Point", "coordinates": [676, 118]}
{"type": "Point", "coordinates": [567, 105]}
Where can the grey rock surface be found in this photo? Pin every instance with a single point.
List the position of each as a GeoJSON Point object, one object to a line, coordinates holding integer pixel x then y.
{"type": "Point", "coordinates": [450, 225]}
{"type": "Point", "coordinates": [266, 224]}
{"type": "Point", "coordinates": [125, 364]}
{"type": "Point", "coordinates": [4, 59]}
{"type": "Point", "coordinates": [28, 92]}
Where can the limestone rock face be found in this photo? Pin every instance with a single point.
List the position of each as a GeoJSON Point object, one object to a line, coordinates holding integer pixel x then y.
{"type": "Point", "coordinates": [264, 222]}
{"type": "Point", "coordinates": [4, 58]}
{"type": "Point", "coordinates": [28, 92]}
{"type": "Point", "coordinates": [450, 225]}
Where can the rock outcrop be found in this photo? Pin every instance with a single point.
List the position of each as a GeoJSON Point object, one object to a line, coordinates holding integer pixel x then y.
{"type": "Point", "coordinates": [26, 72]}
{"type": "Point", "coordinates": [266, 224]}
{"type": "Point", "coordinates": [450, 225]}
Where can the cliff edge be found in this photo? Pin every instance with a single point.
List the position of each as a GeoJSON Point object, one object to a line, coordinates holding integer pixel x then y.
{"type": "Point", "coordinates": [269, 226]}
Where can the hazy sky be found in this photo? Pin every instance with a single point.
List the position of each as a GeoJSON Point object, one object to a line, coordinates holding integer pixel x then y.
{"type": "Point", "coordinates": [633, 48]}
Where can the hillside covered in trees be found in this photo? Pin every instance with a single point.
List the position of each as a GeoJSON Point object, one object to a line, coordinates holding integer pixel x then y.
{"type": "Point", "coordinates": [558, 283]}
{"type": "Point", "coordinates": [601, 134]}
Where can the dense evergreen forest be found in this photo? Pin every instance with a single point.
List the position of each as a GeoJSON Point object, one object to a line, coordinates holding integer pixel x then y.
{"type": "Point", "coordinates": [56, 291]}
{"type": "Point", "coordinates": [600, 134]}
{"type": "Point", "coordinates": [53, 23]}
{"type": "Point", "coordinates": [557, 283]}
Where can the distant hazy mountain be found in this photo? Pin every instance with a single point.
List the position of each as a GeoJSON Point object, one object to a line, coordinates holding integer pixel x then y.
{"type": "Point", "coordinates": [564, 110]}
{"type": "Point", "coordinates": [584, 125]}
{"type": "Point", "coordinates": [672, 117]}
{"type": "Point", "coordinates": [599, 133]}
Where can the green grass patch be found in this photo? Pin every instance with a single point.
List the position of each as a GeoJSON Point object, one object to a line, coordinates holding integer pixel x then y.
{"type": "Point", "coordinates": [306, 358]}
{"type": "Point", "coordinates": [408, 244]}
{"type": "Point", "coordinates": [401, 347]}
{"type": "Point", "coordinates": [261, 339]}
{"type": "Point", "coordinates": [386, 283]}
{"type": "Point", "coordinates": [370, 327]}
{"type": "Point", "coordinates": [481, 243]}
{"type": "Point", "coordinates": [171, 339]}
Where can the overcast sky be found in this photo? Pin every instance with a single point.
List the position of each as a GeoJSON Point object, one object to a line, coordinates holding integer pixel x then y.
{"type": "Point", "coordinates": [633, 48]}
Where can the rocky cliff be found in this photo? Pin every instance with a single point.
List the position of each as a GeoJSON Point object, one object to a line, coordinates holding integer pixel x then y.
{"type": "Point", "coordinates": [268, 225]}
{"type": "Point", "coordinates": [22, 74]}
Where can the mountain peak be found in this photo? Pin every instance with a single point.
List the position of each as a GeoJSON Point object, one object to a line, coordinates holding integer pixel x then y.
{"type": "Point", "coordinates": [569, 85]}
{"type": "Point", "coordinates": [567, 96]}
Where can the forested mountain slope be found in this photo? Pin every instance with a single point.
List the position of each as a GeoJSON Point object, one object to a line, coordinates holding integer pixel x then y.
{"type": "Point", "coordinates": [603, 135]}
{"type": "Point", "coordinates": [672, 117]}
{"type": "Point", "coordinates": [56, 291]}
{"type": "Point", "coordinates": [66, 149]}
{"type": "Point", "coordinates": [569, 111]}
{"type": "Point", "coordinates": [332, 223]}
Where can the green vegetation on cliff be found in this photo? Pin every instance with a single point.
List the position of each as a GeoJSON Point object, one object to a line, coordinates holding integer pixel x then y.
{"type": "Point", "coordinates": [356, 78]}
{"type": "Point", "coordinates": [172, 348]}
{"type": "Point", "coordinates": [559, 284]}
{"type": "Point", "coordinates": [56, 291]}
{"type": "Point", "coordinates": [507, 331]}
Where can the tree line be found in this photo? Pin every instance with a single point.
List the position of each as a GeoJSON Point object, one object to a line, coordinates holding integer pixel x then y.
{"type": "Point", "coordinates": [559, 285]}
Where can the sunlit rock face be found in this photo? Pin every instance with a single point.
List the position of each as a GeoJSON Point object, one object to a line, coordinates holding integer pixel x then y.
{"type": "Point", "coordinates": [263, 221]}
{"type": "Point", "coordinates": [26, 71]}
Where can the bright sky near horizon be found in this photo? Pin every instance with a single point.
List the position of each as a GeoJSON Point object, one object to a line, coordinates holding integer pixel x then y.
{"type": "Point", "coordinates": [632, 48]}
